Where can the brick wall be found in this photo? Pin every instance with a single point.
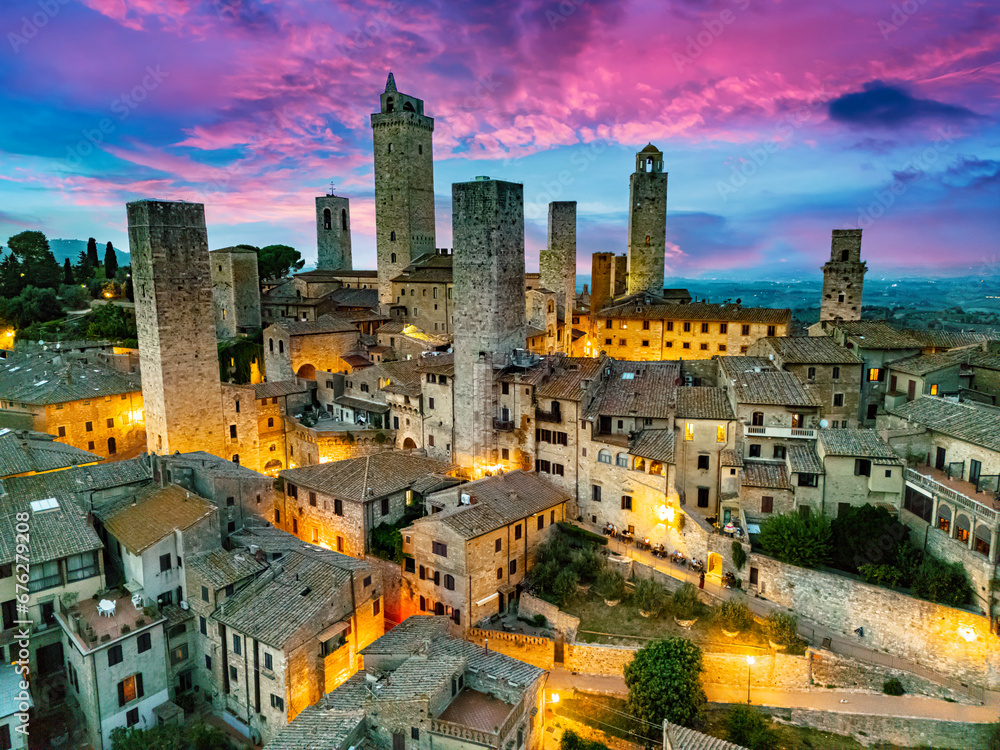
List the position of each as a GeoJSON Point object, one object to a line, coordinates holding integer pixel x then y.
{"type": "Point", "coordinates": [528, 606]}
{"type": "Point", "coordinates": [898, 730]}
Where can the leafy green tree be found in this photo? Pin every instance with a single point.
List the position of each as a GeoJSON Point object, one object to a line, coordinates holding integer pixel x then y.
{"type": "Point", "coordinates": [865, 535]}
{"type": "Point", "coordinates": [68, 277]}
{"type": "Point", "coordinates": [277, 261]}
{"type": "Point", "coordinates": [111, 322]}
{"type": "Point", "coordinates": [649, 595]}
{"type": "Point", "coordinates": [74, 297]}
{"type": "Point", "coordinates": [205, 737]}
{"type": "Point", "coordinates": [572, 741]}
{"type": "Point", "coordinates": [92, 253]}
{"type": "Point", "coordinates": [11, 278]}
{"type": "Point", "coordinates": [781, 628]}
{"type": "Point", "coordinates": [32, 305]}
{"type": "Point", "coordinates": [84, 269]}
{"type": "Point", "coordinates": [664, 682]}
{"type": "Point", "coordinates": [798, 540]}
{"type": "Point", "coordinates": [748, 727]}
{"type": "Point", "coordinates": [110, 263]}
{"type": "Point", "coordinates": [946, 583]}
{"type": "Point", "coordinates": [38, 264]}
{"type": "Point", "coordinates": [734, 615]}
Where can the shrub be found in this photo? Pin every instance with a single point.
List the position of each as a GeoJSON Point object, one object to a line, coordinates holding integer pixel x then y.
{"type": "Point", "coordinates": [577, 533]}
{"type": "Point", "coordinates": [649, 595]}
{"type": "Point", "coordinates": [866, 535]}
{"type": "Point", "coordinates": [893, 686]}
{"type": "Point", "coordinates": [686, 604]}
{"type": "Point", "coordinates": [610, 585]}
{"type": "Point", "coordinates": [798, 540]}
{"type": "Point", "coordinates": [739, 555]}
{"type": "Point", "coordinates": [588, 562]}
{"type": "Point", "coordinates": [938, 581]}
{"type": "Point", "coordinates": [782, 628]}
{"type": "Point", "coordinates": [564, 585]}
{"type": "Point", "coordinates": [539, 621]}
{"type": "Point", "coordinates": [664, 682]}
{"type": "Point", "coordinates": [748, 727]}
{"type": "Point", "coordinates": [572, 741]}
{"type": "Point", "coordinates": [733, 615]}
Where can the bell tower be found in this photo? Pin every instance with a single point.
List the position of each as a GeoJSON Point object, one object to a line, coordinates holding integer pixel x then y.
{"type": "Point", "coordinates": [647, 222]}
{"type": "Point", "coordinates": [843, 277]}
{"type": "Point", "coordinates": [404, 184]}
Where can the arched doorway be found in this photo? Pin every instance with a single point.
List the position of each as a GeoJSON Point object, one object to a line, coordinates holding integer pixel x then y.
{"type": "Point", "coordinates": [408, 444]}
{"type": "Point", "coordinates": [112, 446]}
{"type": "Point", "coordinates": [272, 467]}
{"type": "Point", "coordinates": [944, 517]}
{"type": "Point", "coordinates": [308, 372]}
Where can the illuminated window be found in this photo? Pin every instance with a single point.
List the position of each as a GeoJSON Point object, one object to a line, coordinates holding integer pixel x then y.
{"type": "Point", "coordinates": [933, 389]}
{"type": "Point", "coordinates": [874, 374]}
{"type": "Point", "coordinates": [689, 430]}
{"type": "Point", "coordinates": [720, 433]}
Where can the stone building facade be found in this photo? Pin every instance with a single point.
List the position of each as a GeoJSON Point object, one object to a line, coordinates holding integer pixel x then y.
{"type": "Point", "coordinates": [488, 231]}
{"type": "Point", "coordinates": [404, 184]}
{"type": "Point", "coordinates": [300, 349]}
{"type": "Point", "coordinates": [175, 316]}
{"type": "Point", "coordinates": [333, 233]}
{"type": "Point", "coordinates": [647, 222]}
{"type": "Point", "coordinates": [235, 291]}
{"type": "Point", "coordinates": [843, 277]}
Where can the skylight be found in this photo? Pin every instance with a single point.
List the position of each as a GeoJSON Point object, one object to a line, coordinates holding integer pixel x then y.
{"type": "Point", "coordinates": [40, 506]}
{"type": "Point", "coordinates": [628, 376]}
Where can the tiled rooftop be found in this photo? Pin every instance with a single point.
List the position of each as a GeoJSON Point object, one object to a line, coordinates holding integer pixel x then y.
{"type": "Point", "coordinates": [106, 628]}
{"type": "Point", "coordinates": [477, 710]}
{"type": "Point", "coordinates": [23, 451]}
{"type": "Point", "coordinates": [151, 514]}
{"type": "Point", "coordinates": [978, 425]}
{"type": "Point", "coordinates": [351, 479]}
{"type": "Point", "coordinates": [810, 350]}
{"type": "Point", "coordinates": [702, 402]}
{"type": "Point", "coordinates": [767, 475]}
{"type": "Point", "coordinates": [48, 377]}
{"type": "Point", "coordinates": [637, 389]}
{"type": "Point", "coordinates": [861, 442]}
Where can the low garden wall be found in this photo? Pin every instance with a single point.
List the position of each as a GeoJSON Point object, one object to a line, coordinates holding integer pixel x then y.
{"type": "Point", "coordinates": [539, 652]}
{"type": "Point", "coordinates": [950, 641]}
{"type": "Point", "coordinates": [562, 622]}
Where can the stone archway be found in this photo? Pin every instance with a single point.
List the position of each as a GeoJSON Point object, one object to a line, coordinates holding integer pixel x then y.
{"type": "Point", "coordinates": [307, 371]}
{"type": "Point", "coordinates": [409, 445]}
{"type": "Point", "coordinates": [714, 564]}
{"type": "Point", "coordinates": [272, 467]}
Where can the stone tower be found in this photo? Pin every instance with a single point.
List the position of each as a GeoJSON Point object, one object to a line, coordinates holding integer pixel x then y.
{"type": "Point", "coordinates": [488, 271]}
{"type": "Point", "coordinates": [843, 277]}
{"type": "Point", "coordinates": [404, 184]}
{"type": "Point", "coordinates": [619, 275]}
{"type": "Point", "coordinates": [235, 291]}
{"type": "Point", "coordinates": [333, 233]}
{"type": "Point", "coordinates": [647, 222]}
{"type": "Point", "coordinates": [601, 284]}
{"type": "Point", "coordinates": [558, 263]}
{"type": "Point", "coordinates": [174, 314]}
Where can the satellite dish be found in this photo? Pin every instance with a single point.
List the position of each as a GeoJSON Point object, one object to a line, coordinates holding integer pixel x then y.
{"type": "Point", "coordinates": [824, 423]}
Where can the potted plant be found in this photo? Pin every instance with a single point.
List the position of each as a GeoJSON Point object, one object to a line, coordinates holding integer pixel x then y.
{"type": "Point", "coordinates": [782, 630]}
{"type": "Point", "coordinates": [733, 617]}
{"type": "Point", "coordinates": [649, 597]}
{"type": "Point", "coordinates": [687, 607]}
{"type": "Point", "coordinates": [140, 621]}
{"type": "Point", "coordinates": [610, 587]}
{"type": "Point", "coordinates": [69, 599]}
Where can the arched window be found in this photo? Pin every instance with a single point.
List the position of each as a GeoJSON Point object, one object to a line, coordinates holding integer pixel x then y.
{"type": "Point", "coordinates": [552, 306]}
{"type": "Point", "coordinates": [639, 464]}
{"type": "Point", "coordinates": [449, 582]}
{"type": "Point", "coordinates": [270, 344]}
{"type": "Point", "coordinates": [343, 219]}
{"type": "Point", "coordinates": [408, 107]}
{"type": "Point", "coordinates": [390, 148]}
{"type": "Point", "coordinates": [112, 446]}
{"type": "Point", "coordinates": [392, 236]}
{"type": "Point", "coordinates": [622, 460]}
{"type": "Point", "coordinates": [281, 346]}
{"type": "Point", "coordinates": [757, 419]}
{"type": "Point", "coordinates": [236, 459]}
{"type": "Point", "coordinates": [604, 456]}
{"type": "Point", "coordinates": [270, 421]}
{"type": "Point", "coordinates": [327, 219]}
{"type": "Point", "coordinates": [438, 608]}
{"type": "Point", "coordinates": [649, 164]}
{"type": "Point", "coordinates": [423, 604]}
{"type": "Point", "coordinates": [389, 106]}
{"type": "Point", "coordinates": [393, 258]}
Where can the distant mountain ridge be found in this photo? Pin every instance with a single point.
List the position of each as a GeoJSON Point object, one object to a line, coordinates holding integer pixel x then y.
{"type": "Point", "coordinates": [71, 249]}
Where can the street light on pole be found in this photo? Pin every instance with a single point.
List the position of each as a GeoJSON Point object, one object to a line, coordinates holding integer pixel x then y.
{"type": "Point", "coordinates": [553, 700]}
{"type": "Point", "coordinates": [750, 663]}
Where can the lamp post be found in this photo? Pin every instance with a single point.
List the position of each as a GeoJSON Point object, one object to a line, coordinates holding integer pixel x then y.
{"type": "Point", "coordinates": [750, 663]}
{"type": "Point", "coordinates": [553, 700]}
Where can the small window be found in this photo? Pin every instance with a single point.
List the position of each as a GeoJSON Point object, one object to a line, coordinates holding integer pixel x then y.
{"type": "Point", "coordinates": [838, 399]}
{"type": "Point", "coordinates": [767, 504]}
{"type": "Point", "coordinates": [745, 330]}
{"type": "Point", "coordinates": [720, 433]}
{"type": "Point", "coordinates": [439, 548]}
{"type": "Point", "coordinates": [377, 607]}
{"type": "Point", "coordinates": [811, 373]}
{"type": "Point", "coordinates": [595, 493]}
{"type": "Point", "coordinates": [513, 567]}
{"type": "Point", "coordinates": [703, 460]}
{"type": "Point", "coordinates": [626, 502]}
{"type": "Point", "coordinates": [836, 373]}
{"type": "Point", "coordinates": [689, 430]}
{"type": "Point", "coordinates": [499, 573]}
{"type": "Point", "coordinates": [862, 467]}
{"type": "Point", "coordinates": [165, 562]}
{"type": "Point", "coordinates": [517, 531]}
{"type": "Point", "coordinates": [114, 655]}
{"type": "Point", "coordinates": [754, 450]}
{"type": "Point", "coordinates": [449, 582]}
{"type": "Point", "coordinates": [703, 497]}
{"type": "Point", "coordinates": [704, 327]}
{"type": "Point", "coordinates": [144, 642]}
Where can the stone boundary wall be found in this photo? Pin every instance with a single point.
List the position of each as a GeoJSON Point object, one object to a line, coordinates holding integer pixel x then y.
{"type": "Point", "coordinates": [528, 606]}
{"type": "Point", "coordinates": [391, 589]}
{"type": "Point", "coordinates": [539, 652]}
{"type": "Point", "coordinates": [950, 641]}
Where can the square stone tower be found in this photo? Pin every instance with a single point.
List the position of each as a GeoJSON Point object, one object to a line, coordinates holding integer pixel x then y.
{"type": "Point", "coordinates": [174, 314]}
{"type": "Point", "coordinates": [843, 277]}
{"type": "Point", "coordinates": [235, 291]}
{"type": "Point", "coordinates": [404, 185]}
{"type": "Point", "coordinates": [333, 233]}
{"type": "Point", "coordinates": [601, 285]}
{"type": "Point", "coordinates": [558, 262]}
{"type": "Point", "coordinates": [488, 272]}
{"type": "Point", "coordinates": [619, 275]}
{"type": "Point", "coordinates": [647, 222]}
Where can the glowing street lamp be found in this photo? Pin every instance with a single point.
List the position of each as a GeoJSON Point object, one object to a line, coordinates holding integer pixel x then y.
{"type": "Point", "coordinates": [750, 663]}
{"type": "Point", "coordinates": [553, 699]}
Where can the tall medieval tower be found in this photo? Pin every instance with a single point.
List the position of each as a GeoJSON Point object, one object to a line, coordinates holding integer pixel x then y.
{"type": "Point", "coordinates": [175, 318]}
{"type": "Point", "coordinates": [488, 269]}
{"type": "Point", "coordinates": [647, 222]}
{"type": "Point", "coordinates": [404, 185]}
{"type": "Point", "coordinates": [843, 277]}
{"type": "Point", "coordinates": [333, 233]}
{"type": "Point", "coordinates": [557, 263]}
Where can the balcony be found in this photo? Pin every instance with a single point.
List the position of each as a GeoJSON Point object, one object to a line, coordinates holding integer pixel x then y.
{"type": "Point", "coordinates": [955, 491]}
{"type": "Point", "coordinates": [803, 433]}
{"type": "Point", "coordinates": [478, 718]}
{"type": "Point", "coordinates": [548, 416]}
{"type": "Point", "coordinates": [503, 425]}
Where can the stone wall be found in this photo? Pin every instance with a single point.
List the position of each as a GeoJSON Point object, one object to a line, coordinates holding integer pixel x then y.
{"type": "Point", "coordinates": [392, 579]}
{"type": "Point", "coordinates": [904, 731]}
{"type": "Point", "coordinates": [953, 642]}
{"type": "Point", "coordinates": [593, 659]}
{"type": "Point", "coordinates": [529, 606]}
{"type": "Point", "coordinates": [539, 652]}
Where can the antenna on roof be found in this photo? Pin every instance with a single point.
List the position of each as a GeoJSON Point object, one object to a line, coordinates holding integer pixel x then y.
{"type": "Point", "coordinates": [330, 190]}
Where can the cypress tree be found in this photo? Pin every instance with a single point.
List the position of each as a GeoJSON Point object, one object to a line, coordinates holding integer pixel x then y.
{"type": "Point", "coordinates": [110, 263]}
{"type": "Point", "coordinates": [92, 253]}
{"type": "Point", "coordinates": [68, 272]}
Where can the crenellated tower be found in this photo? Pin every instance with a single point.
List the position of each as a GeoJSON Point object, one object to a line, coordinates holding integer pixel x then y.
{"type": "Point", "coordinates": [647, 222]}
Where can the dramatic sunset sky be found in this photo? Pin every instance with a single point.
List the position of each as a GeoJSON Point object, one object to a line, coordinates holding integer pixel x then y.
{"type": "Point", "coordinates": [779, 120]}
